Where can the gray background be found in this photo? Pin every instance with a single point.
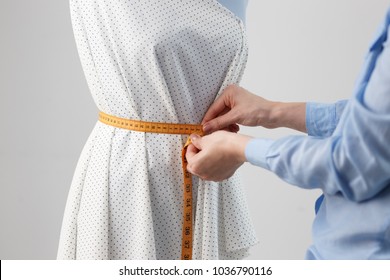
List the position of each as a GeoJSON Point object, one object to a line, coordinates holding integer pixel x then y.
{"type": "Point", "coordinates": [299, 50]}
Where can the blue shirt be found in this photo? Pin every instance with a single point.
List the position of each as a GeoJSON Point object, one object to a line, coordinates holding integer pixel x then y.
{"type": "Point", "coordinates": [347, 155]}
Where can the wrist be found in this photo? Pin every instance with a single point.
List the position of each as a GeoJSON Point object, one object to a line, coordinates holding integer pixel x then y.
{"type": "Point", "coordinates": [291, 115]}
{"type": "Point", "coordinates": [238, 146]}
{"type": "Point", "coordinates": [276, 115]}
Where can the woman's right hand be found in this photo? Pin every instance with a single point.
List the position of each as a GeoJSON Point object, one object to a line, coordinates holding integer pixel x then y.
{"type": "Point", "coordinates": [236, 106]}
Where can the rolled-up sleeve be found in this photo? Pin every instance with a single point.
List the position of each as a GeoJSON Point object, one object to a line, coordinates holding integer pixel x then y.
{"type": "Point", "coordinates": [349, 155]}
{"type": "Point", "coordinates": [322, 119]}
{"type": "Point", "coordinates": [355, 163]}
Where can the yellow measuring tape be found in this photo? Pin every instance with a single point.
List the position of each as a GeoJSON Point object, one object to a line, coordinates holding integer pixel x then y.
{"type": "Point", "coordinates": [168, 128]}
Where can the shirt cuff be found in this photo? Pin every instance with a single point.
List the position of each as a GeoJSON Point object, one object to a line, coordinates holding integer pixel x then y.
{"type": "Point", "coordinates": [256, 151]}
{"type": "Point", "coordinates": [320, 119]}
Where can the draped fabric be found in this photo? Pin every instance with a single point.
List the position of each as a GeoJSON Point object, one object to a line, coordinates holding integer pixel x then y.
{"type": "Point", "coordinates": [160, 61]}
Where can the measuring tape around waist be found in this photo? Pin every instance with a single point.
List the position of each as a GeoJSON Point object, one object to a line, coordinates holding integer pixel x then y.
{"type": "Point", "coordinates": [168, 128]}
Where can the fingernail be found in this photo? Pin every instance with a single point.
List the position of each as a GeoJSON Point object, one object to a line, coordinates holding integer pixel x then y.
{"type": "Point", "coordinates": [194, 137]}
{"type": "Point", "coordinates": [206, 128]}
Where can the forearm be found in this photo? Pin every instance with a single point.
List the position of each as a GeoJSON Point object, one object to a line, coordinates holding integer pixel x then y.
{"type": "Point", "coordinates": [316, 119]}
{"type": "Point", "coordinates": [239, 106]}
{"type": "Point", "coordinates": [354, 162]}
{"type": "Point", "coordinates": [291, 115]}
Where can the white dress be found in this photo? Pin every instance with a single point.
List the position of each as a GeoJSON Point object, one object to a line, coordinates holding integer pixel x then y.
{"type": "Point", "coordinates": [160, 61]}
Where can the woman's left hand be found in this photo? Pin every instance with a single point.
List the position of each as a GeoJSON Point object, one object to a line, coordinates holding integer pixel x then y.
{"type": "Point", "coordinates": [216, 156]}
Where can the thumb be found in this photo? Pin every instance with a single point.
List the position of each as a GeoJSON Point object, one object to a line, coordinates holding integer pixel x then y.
{"type": "Point", "coordinates": [196, 140]}
{"type": "Point", "coordinates": [191, 152]}
{"type": "Point", "coordinates": [219, 123]}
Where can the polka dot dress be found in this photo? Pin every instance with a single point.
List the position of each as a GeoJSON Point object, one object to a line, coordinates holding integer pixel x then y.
{"type": "Point", "coordinates": [161, 61]}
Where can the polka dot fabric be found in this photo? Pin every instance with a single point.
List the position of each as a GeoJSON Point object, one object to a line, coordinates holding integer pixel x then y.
{"type": "Point", "coordinates": [161, 61]}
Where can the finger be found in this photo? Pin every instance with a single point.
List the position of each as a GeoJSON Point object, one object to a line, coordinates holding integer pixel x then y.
{"type": "Point", "coordinates": [191, 152]}
{"type": "Point", "coordinates": [196, 140]}
{"type": "Point", "coordinates": [216, 108]}
{"type": "Point", "coordinates": [219, 123]}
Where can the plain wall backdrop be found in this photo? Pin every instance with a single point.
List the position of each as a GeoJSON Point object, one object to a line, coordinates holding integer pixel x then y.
{"type": "Point", "coordinates": [300, 50]}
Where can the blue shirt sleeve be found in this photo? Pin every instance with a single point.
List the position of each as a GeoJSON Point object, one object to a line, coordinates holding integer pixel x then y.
{"type": "Point", "coordinates": [355, 159]}
{"type": "Point", "coordinates": [355, 163]}
{"type": "Point", "coordinates": [322, 119]}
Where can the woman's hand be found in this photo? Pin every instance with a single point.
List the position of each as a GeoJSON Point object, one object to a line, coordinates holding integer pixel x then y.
{"type": "Point", "coordinates": [216, 156]}
{"type": "Point", "coordinates": [236, 105]}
